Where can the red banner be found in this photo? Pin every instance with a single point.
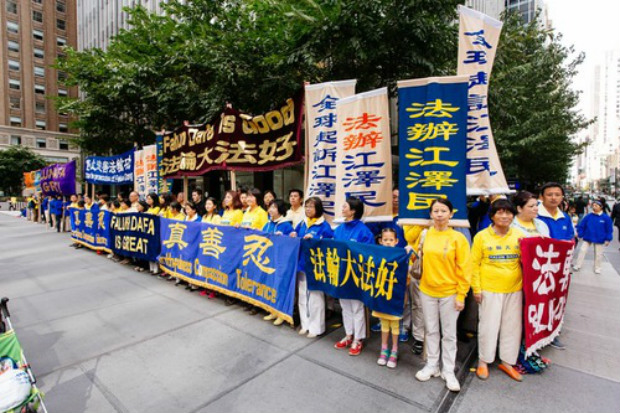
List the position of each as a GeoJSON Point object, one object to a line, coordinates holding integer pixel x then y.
{"type": "Point", "coordinates": [546, 277]}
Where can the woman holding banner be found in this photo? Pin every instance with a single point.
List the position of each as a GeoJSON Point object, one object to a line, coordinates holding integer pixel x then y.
{"type": "Point", "coordinates": [446, 272]}
{"type": "Point", "coordinates": [191, 212]}
{"type": "Point", "coordinates": [353, 312]}
{"type": "Point", "coordinates": [497, 283]}
{"type": "Point", "coordinates": [311, 303]}
{"type": "Point", "coordinates": [232, 209]}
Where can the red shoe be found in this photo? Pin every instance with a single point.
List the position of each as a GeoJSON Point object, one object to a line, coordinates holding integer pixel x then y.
{"type": "Point", "coordinates": [344, 343]}
{"type": "Point", "coordinates": [356, 349]}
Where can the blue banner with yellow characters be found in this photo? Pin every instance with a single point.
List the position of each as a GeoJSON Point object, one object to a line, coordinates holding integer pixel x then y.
{"type": "Point", "coordinates": [135, 235]}
{"type": "Point", "coordinates": [373, 274]}
{"type": "Point", "coordinates": [432, 141]}
{"type": "Point", "coordinates": [91, 228]}
{"type": "Point", "coordinates": [254, 266]}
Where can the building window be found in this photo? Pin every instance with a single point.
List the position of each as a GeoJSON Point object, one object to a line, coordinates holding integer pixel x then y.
{"type": "Point", "coordinates": [16, 140]}
{"type": "Point", "coordinates": [39, 107]}
{"type": "Point", "coordinates": [37, 16]}
{"type": "Point", "coordinates": [13, 65]}
{"type": "Point", "coordinates": [60, 24]}
{"type": "Point", "coordinates": [37, 34]}
{"type": "Point", "coordinates": [62, 92]}
{"type": "Point", "coordinates": [41, 142]}
{"type": "Point", "coordinates": [15, 102]}
{"type": "Point", "coordinates": [39, 89]}
{"type": "Point", "coordinates": [60, 6]}
{"type": "Point", "coordinates": [11, 7]}
{"type": "Point", "coordinates": [62, 76]}
{"type": "Point", "coordinates": [16, 121]}
{"type": "Point", "coordinates": [39, 71]}
{"type": "Point", "coordinates": [61, 41]}
{"type": "Point", "coordinates": [15, 84]}
{"type": "Point", "coordinates": [12, 27]}
{"type": "Point", "coordinates": [37, 1]}
{"type": "Point", "coordinates": [40, 124]}
{"type": "Point", "coordinates": [62, 127]}
{"type": "Point", "coordinates": [39, 53]}
{"type": "Point", "coordinates": [13, 46]}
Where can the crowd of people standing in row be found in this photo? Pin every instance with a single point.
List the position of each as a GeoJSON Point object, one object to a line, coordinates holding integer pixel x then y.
{"type": "Point", "coordinates": [452, 265]}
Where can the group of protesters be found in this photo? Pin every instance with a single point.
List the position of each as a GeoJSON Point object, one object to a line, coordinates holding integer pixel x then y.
{"type": "Point", "coordinates": [451, 264]}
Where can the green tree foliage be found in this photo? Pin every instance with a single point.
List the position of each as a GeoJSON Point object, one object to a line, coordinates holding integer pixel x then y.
{"type": "Point", "coordinates": [13, 163]}
{"type": "Point", "coordinates": [532, 106]}
{"type": "Point", "coordinates": [186, 64]}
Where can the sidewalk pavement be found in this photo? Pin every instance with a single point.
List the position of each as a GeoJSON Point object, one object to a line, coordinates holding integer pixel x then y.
{"type": "Point", "coordinates": [103, 338]}
{"type": "Point", "coordinates": [585, 377]}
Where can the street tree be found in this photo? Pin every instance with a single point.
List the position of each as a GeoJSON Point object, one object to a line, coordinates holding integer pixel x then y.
{"type": "Point", "coordinates": [196, 57]}
{"type": "Point", "coordinates": [532, 105]}
{"type": "Point", "coordinates": [13, 163]}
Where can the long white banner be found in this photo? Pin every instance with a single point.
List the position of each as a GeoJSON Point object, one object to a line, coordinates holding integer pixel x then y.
{"type": "Point", "coordinates": [364, 157]}
{"type": "Point", "coordinates": [321, 139]}
{"type": "Point", "coordinates": [478, 40]}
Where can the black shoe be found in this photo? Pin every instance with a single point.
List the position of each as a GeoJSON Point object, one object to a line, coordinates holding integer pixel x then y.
{"type": "Point", "coordinates": [417, 347]}
{"type": "Point", "coordinates": [229, 302]}
{"type": "Point", "coordinates": [254, 311]}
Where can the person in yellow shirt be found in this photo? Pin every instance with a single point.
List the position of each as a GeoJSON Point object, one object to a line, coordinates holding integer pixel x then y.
{"type": "Point", "coordinates": [497, 283]}
{"type": "Point", "coordinates": [153, 202]}
{"type": "Point", "coordinates": [211, 216]}
{"type": "Point", "coordinates": [233, 213]}
{"type": "Point", "coordinates": [164, 205]}
{"type": "Point", "coordinates": [446, 277]}
{"type": "Point", "coordinates": [255, 216]}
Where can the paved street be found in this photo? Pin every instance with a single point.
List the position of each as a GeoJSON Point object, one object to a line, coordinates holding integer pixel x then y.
{"type": "Point", "coordinates": [103, 338]}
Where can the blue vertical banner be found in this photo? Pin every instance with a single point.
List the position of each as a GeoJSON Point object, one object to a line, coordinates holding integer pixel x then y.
{"type": "Point", "coordinates": [252, 266]}
{"type": "Point", "coordinates": [432, 142]}
{"type": "Point", "coordinates": [163, 185]}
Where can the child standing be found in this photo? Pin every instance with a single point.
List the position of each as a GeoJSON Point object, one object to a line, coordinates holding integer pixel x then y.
{"type": "Point", "coordinates": [388, 238]}
{"type": "Point", "coordinates": [595, 228]}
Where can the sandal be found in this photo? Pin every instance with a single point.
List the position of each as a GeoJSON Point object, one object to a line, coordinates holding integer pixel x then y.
{"type": "Point", "coordinates": [344, 343]}
{"type": "Point", "coordinates": [383, 357]}
{"type": "Point", "coordinates": [393, 360]}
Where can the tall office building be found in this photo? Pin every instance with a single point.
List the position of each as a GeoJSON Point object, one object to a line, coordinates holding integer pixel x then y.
{"type": "Point", "coordinates": [492, 8]}
{"type": "Point", "coordinates": [528, 9]}
{"type": "Point", "coordinates": [99, 20]}
{"type": "Point", "coordinates": [32, 36]}
{"type": "Point", "coordinates": [602, 156]}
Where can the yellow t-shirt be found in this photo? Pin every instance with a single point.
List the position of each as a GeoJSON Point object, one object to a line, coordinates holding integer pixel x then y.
{"type": "Point", "coordinates": [214, 219]}
{"type": "Point", "coordinates": [496, 262]}
{"type": "Point", "coordinates": [153, 210]}
{"type": "Point", "coordinates": [446, 264]}
{"type": "Point", "coordinates": [178, 217]}
{"type": "Point", "coordinates": [255, 219]}
{"type": "Point", "coordinates": [232, 217]}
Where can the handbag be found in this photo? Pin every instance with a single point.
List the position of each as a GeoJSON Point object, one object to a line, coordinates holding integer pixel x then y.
{"type": "Point", "coordinates": [415, 270]}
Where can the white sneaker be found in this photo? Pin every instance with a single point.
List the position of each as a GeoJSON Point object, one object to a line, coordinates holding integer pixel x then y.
{"type": "Point", "coordinates": [575, 268]}
{"type": "Point", "coordinates": [426, 373]}
{"type": "Point", "coordinates": [597, 271]}
{"type": "Point", "coordinates": [451, 382]}
{"type": "Point", "coordinates": [310, 335]}
{"type": "Point", "coordinates": [302, 332]}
